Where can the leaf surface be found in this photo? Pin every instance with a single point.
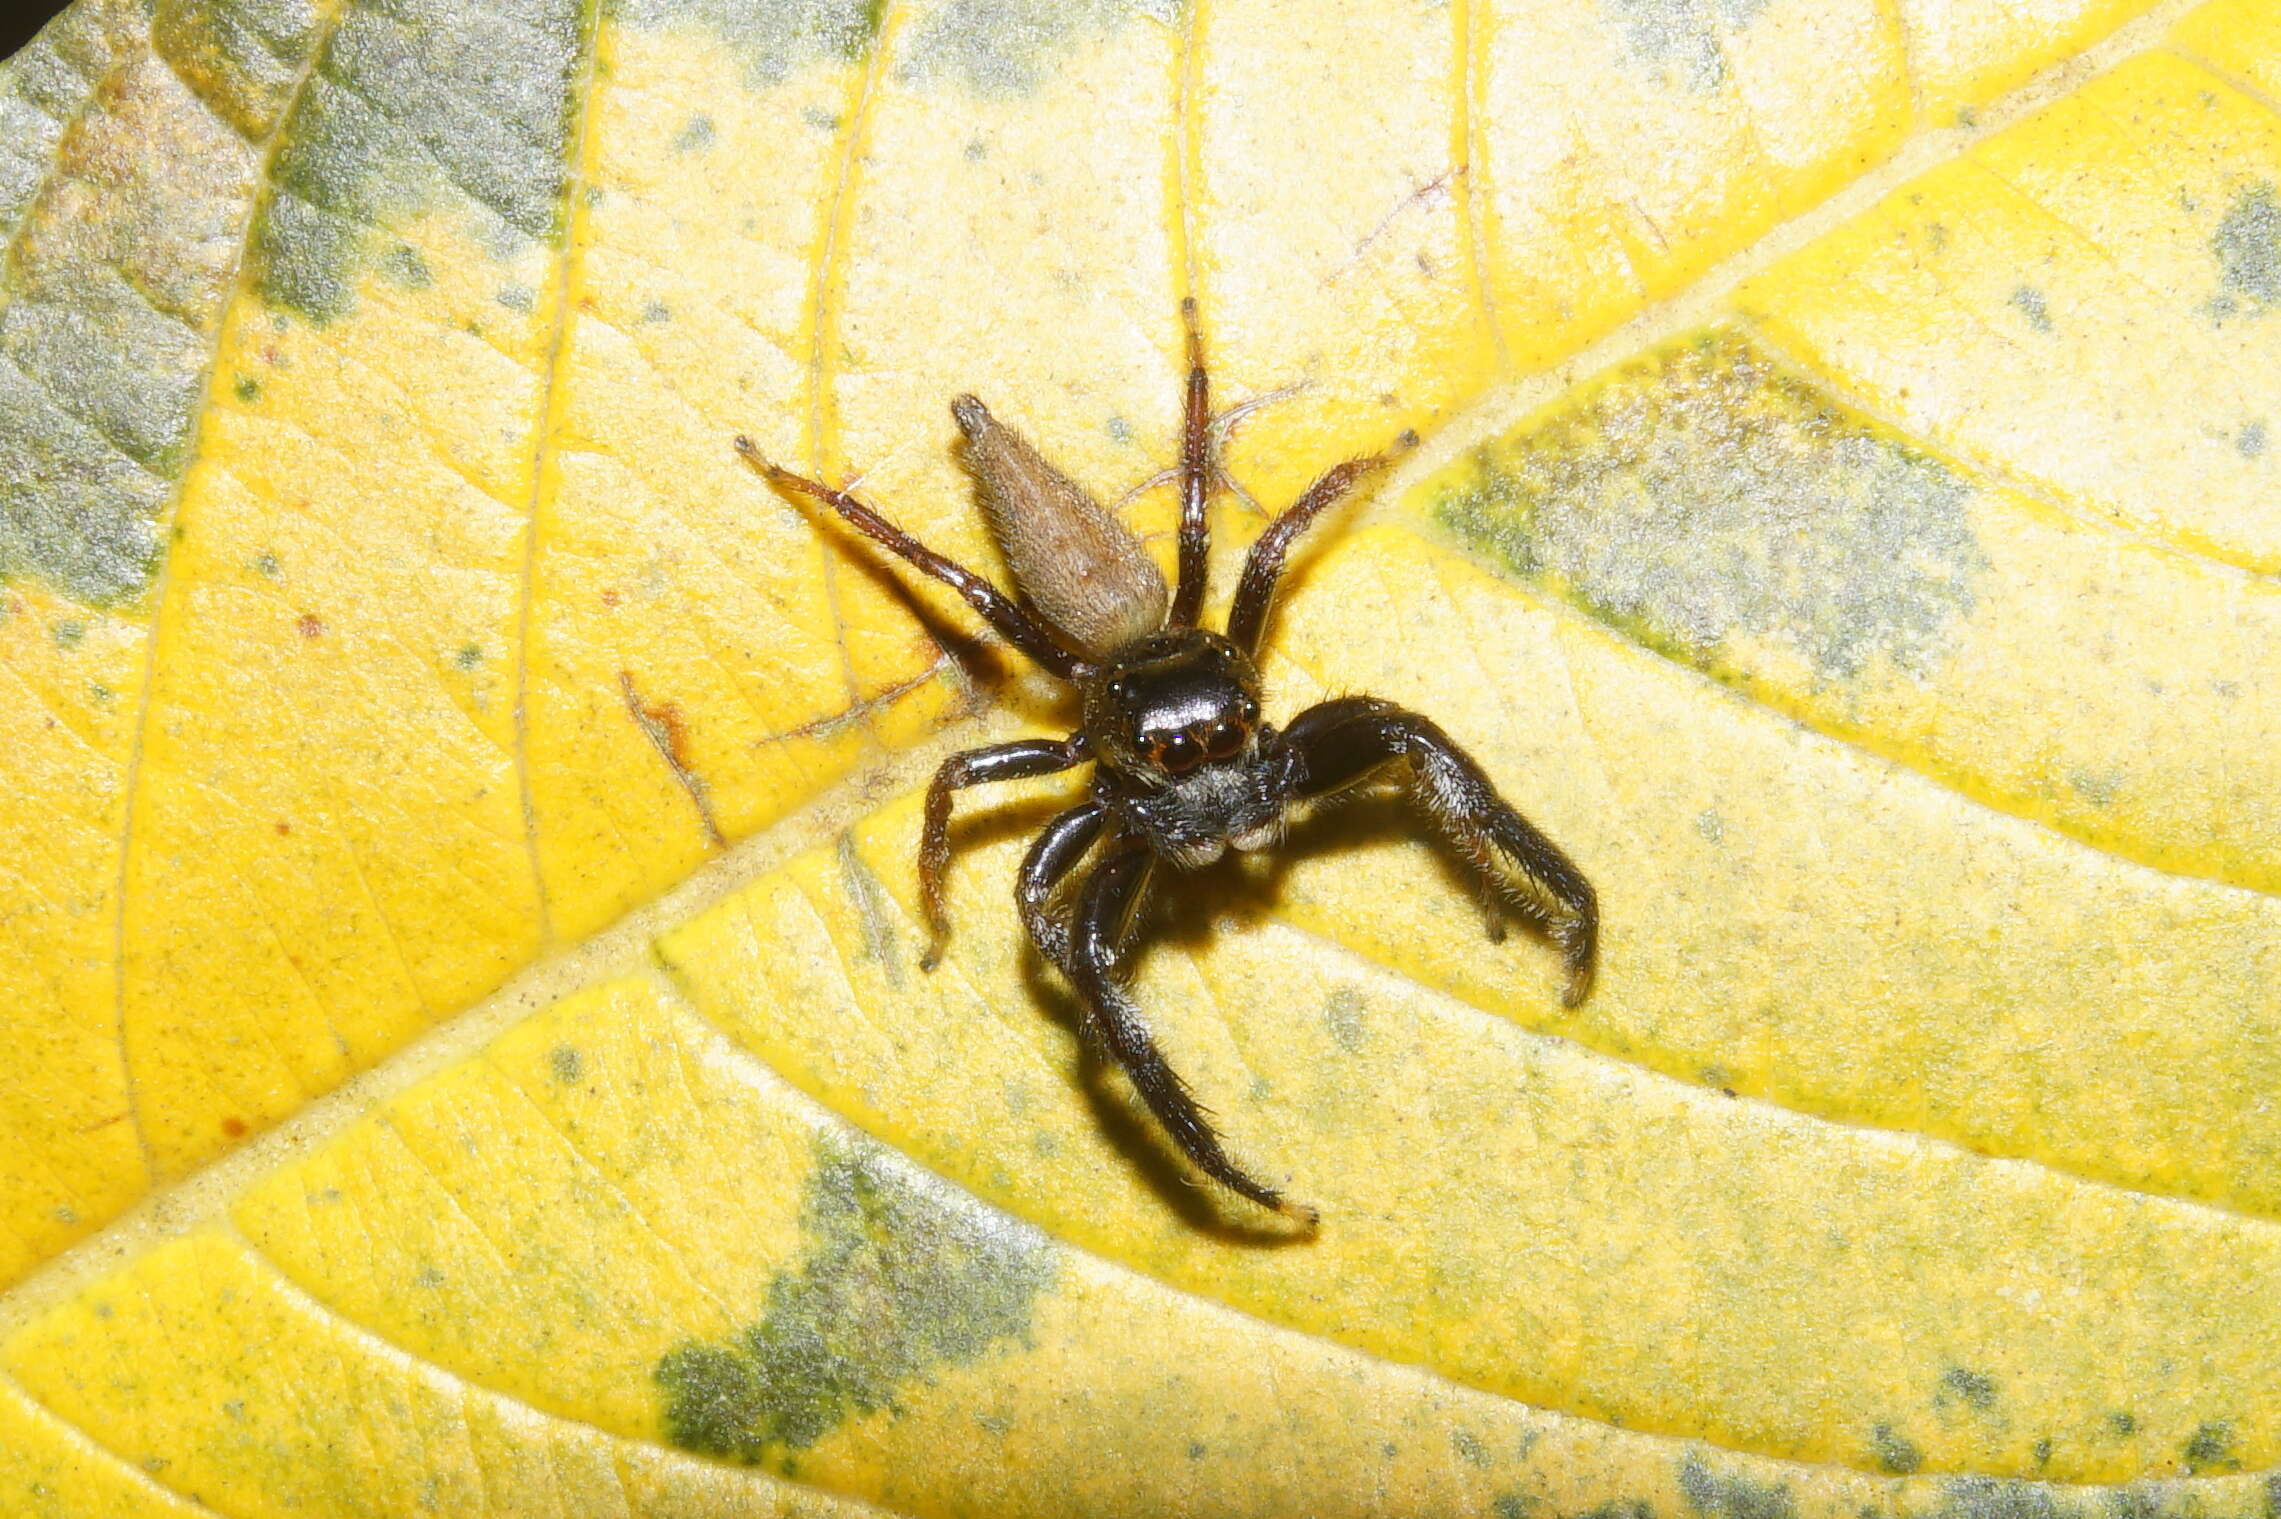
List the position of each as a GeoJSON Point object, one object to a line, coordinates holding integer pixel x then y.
{"type": "Point", "coordinates": [470, 1048]}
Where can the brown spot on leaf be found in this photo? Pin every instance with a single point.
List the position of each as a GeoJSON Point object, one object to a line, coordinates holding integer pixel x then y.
{"type": "Point", "coordinates": [661, 723]}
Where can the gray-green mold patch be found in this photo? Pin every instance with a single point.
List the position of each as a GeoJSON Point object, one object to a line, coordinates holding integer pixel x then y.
{"type": "Point", "coordinates": [772, 36]}
{"type": "Point", "coordinates": [1679, 39]}
{"type": "Point", "coordinates": [410, 99]}
{"type": "Point", "coordinates": [1715, 1494]}
{"type": "Point", "coordinates": [124, 191]}
{"type": "Point", "coordinates": [2029, 302]}
{"type": "Point", "coordinates": [1895, 1452]}
{"type": "Point", "coordinates": [900, 1278]}
{"type": "Point", "coordinates": [1009, 47]}
{"type": "Point", "coordinates": [2248, 248]}
{"type": "Point", "coordinates": [2015, 1498]}
{"type": "Point", "coordinates": [1700, 495]}
{"type": "Point", "coordinates": [1974, 1389]}
{"type": "Point", "coordinates": [241, 57]}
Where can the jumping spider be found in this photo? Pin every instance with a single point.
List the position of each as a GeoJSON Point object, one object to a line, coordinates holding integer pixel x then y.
{"type": "Point", "coordinates": [1184, 764]}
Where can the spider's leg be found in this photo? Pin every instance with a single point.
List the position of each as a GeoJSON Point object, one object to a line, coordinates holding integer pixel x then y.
{"type": "Point", "coordinates": [1343, 742]}
{"type": "Point", "coordinates": [1052, 856]}
{"type": "Point", "coordinates": [1195, 479]}
{"type": "Point", "coordinates": [1263, 566]}
{"type": "Point", "coordinates": [998, 609]}
{"type": "Point", "coordinates": [1019, 760]}
{"type": "Point", "coordinates": [1113, 1019]}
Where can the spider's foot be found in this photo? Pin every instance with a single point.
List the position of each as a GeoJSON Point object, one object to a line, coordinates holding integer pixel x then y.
{"type": "Point", "coordinates": [930, 958]}
{"type": "Point", "coordinates": [1306, 1215]}
{"type": "Point", "coordinates": [1579, 980]}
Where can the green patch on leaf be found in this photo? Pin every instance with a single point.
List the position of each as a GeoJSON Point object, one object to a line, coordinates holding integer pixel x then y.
{"type": "Point", "coordinates": [2210, 1449]}
{"type": "Point", "coordinates": [1975, 1389]}
{"type": "Point", "coordinates": [415, 103]}
{"type": "Point", "coordinates": [2248, 247]}
{"type": "Point", "coordinates": [1895, 1452]}
{"type": "Point", "coordinates": [1009, 47]}
{"type": "Point", "coordinates": [1700, 494]}
{"type": "Point", "coordinates": [899, 1278]}
{"type": "Point", "coordinates": [773, 36]}
{"type": "Point", "coordinates": [1679, 39]}
{"type": "Point", "coordinates": [1714, 1494]}
{"type": "Point", "coordinates": [2029, 302]}
{"type": "Point", "coordinates": [240, 57]}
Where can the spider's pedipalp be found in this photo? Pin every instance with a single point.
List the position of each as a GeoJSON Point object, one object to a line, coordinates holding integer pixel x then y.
{"type": "Point", "coordinates": [1263, 566]}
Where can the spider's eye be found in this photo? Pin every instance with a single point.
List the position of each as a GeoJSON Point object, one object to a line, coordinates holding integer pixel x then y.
{"type": "Point", "coordinates": [1176, 752]}
{"type": "Point", "coordinates": [1224, 739]}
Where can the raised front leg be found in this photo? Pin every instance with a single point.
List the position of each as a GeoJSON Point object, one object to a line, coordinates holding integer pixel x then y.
{"type": "Point", "coordinates": [1195, 479]}
{"type": "Point", "coordinates": [1263, 566]}
{"type": "Point", "coordinates": [1019, 760]}
{"type": "Point", "coordinates": [1344, 742]}
{"type": "Point", "coordinates": [1096, 956]}
{"type": "Point", "coordinates": [994, 606]}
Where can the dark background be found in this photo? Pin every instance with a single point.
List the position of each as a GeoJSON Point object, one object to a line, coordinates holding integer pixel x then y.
{"type": "Point", "coordinates": [19, 19]}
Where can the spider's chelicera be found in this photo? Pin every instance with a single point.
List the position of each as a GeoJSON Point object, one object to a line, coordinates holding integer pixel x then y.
{"type": "Point", "coordinates": [1184, 763]}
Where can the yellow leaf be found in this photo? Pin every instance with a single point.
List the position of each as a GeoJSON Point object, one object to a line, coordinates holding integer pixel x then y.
{"type": "Point", "coordinates": [469, 1051]}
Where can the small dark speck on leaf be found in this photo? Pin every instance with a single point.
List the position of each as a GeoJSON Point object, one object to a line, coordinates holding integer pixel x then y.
{"type": "Point", "coordinates": [405, 266]}
{"type": "Point", "coordinates": [1895, 1452]}
{"type": "Point", "coordinates": [696, 134]}
{"type": "Point", "coordinates": [565, 1063]}
{"type": "Point", "coordinates": [2030, 303]}
{"type": "Point", "coordinates": [69, 632]}
{"type": "Point", "coordinates": [1344, 1016]}
{"type": "Point", "coordinates": [1976, 1389]}
{"type": "Point", "coordinates": [1469, 1447]}
{"type": "Point", "coordinates": [247, 389]}
{"type": "Point", "coordinates": [2210, 1449]}
{"type": "Point", "coordinates": [2250, 441]}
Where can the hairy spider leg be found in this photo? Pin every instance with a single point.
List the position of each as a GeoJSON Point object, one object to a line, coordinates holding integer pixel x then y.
{"type": "Point", "coordinates": [1263, 566]}
{"type": "Point", "coordinates": [1341, 743]}
{"type": "Point", "coordinates": [998, 609]}
{"type": "Point", "coordinates": [1195, 480]}
{"type": "Point", "coordinates": [1053, 854]}
{"type": "Point", "coordinates": [1019, 760]}
{"type": "Point", "coordinates": [1116, 1023]}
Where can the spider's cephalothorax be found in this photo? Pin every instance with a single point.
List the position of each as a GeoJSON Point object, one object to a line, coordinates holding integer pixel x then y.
{"type": "Point", "coordinates": [1185, 767]}
{"type": "Point", "coordinates": [1185, 764]}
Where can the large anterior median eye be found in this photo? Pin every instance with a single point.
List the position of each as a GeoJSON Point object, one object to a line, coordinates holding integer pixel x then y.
{"type": "Point", "coordinates": [1177, 753]}
{"type": "Point", "coordinates": [1224, 739]}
